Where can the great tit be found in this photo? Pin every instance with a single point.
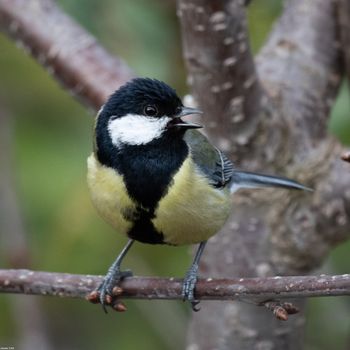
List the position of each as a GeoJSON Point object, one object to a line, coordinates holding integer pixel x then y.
{"type": "Point", "coordinates": [158, 180]}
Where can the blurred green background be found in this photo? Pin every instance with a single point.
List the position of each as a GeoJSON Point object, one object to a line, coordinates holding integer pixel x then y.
{"type": "Point", "coordinates": [50, 141]}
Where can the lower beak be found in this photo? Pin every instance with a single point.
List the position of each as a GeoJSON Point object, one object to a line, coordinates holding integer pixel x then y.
{"type": "Point", "coordinates": [178, 122]}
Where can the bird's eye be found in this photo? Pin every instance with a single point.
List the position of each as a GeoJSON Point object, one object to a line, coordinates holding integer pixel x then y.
{"type": "Point", "coordinates": [150, 110]}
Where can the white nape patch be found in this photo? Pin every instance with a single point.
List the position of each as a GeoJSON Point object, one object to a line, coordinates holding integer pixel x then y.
{"type": "Point", "coordinates": [133, 129]}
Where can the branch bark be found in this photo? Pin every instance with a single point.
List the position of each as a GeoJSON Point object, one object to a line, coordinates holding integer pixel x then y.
{"type": "Point", "coordinates": [271, 232]}
{"type": "Point", "coordinates": [301, 68]}
{"type": "Point", "coordinates": [257, 290]}
{"type": "Point", "coordinates": [67, 51]}
{"type": "Point", "coordinates": [344, 22]}
{"type": "Point", "coordinates": [221, 70]}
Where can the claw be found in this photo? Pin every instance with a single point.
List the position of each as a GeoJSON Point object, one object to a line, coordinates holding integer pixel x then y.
{"type": "Point", "coordinates": [104, 308]}
{"type": "Point", "coordinates": [188, 287]}
{"type": "Point", "coordinates": [194, 303]}
{"type": "Point", "coordinates": [104, 293]}
{"type": "Point", "coordinates": [190, 279]}
{"type": "Point", "coordinates": [105, 290]}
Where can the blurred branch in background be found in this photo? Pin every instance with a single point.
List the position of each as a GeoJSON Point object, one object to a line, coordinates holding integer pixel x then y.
{"type": "Point", "coordinates": [344, 21]}
{"type": "Point", "coordinates": [67, 51]}
{"type": "Point", "coordinates": [14, 247]}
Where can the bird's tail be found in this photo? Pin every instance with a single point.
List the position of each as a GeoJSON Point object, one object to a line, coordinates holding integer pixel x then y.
{"type": "Point", "coordinates": [244, 179]}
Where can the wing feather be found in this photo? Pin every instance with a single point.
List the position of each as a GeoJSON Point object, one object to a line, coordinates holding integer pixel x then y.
{"type": "Point", "coordinates": [211, 161]}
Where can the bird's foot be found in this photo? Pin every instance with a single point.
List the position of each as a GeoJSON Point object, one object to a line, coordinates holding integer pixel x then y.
{"type": "Point", "coordinates": [106, 288]}
{"type": "Point", "coordinates": [188, 287]}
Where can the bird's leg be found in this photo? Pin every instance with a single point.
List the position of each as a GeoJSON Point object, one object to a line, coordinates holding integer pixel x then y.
{"type": "Point", "coordinates": [190, 279]}
{"type": "Point", "coordinates": [113, 276]}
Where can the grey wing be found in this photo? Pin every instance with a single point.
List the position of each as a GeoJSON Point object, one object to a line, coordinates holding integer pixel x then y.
{"type": "Point", "coordinates": [221, 172]}
{"type": "Point", "coordinates": [212, 162]}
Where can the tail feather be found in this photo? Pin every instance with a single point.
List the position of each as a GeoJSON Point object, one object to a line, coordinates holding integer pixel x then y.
{"type": "Point", "coordinates": [244, 179]}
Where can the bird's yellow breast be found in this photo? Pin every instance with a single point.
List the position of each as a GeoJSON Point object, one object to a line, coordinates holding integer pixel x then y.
{"type": "Point", "coordinates": [109, 194]}
{"type": "Point", "coordinates": [190, 212]}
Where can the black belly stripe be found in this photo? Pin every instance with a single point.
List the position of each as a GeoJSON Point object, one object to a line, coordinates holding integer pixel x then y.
{"type": "Point", "coordinates": [147, 171]}
{"type": "Point", "coordinates": [143, 229]}
{"type": "Point", "coordinates": [145, 232]}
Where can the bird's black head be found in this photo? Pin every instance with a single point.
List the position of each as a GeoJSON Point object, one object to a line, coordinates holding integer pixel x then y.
{"type": "Point", "coordinates": [144, 96]}
{"type": "Point", "coordinates": [141, 111]}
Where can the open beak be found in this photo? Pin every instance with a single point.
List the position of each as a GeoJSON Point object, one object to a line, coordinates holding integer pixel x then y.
{"type": "Point", "coordinates": [178, 122]}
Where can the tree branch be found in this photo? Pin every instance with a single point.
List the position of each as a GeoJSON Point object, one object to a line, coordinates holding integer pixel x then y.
{"type": "Point", "coordinates": [255, 289]}
{"type": "Point", "coordinates": [344, 22]}
{"type": "Point", "coordinates": [221, 68]}
{"type": "Point", "coordinates": [67, 51]}
{"type": "Point", "coordinates": [300, 67]}
{"type": "Point", "coordinates": [275, 232]}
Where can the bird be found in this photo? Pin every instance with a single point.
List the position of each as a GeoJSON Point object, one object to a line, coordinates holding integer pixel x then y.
{"type": "Point", "coordinates": [156, 179]}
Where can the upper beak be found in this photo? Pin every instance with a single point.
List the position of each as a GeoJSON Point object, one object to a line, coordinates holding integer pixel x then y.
{"type": "Point", "coordinates": [186, 111]}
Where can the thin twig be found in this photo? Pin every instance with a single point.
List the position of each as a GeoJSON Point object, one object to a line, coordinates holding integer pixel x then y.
{"type": "Point", "coordinates": [263, 289]}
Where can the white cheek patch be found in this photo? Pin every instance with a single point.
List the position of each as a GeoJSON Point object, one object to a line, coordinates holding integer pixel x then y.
{"type": "Point", "coordinates": [133, 129]}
